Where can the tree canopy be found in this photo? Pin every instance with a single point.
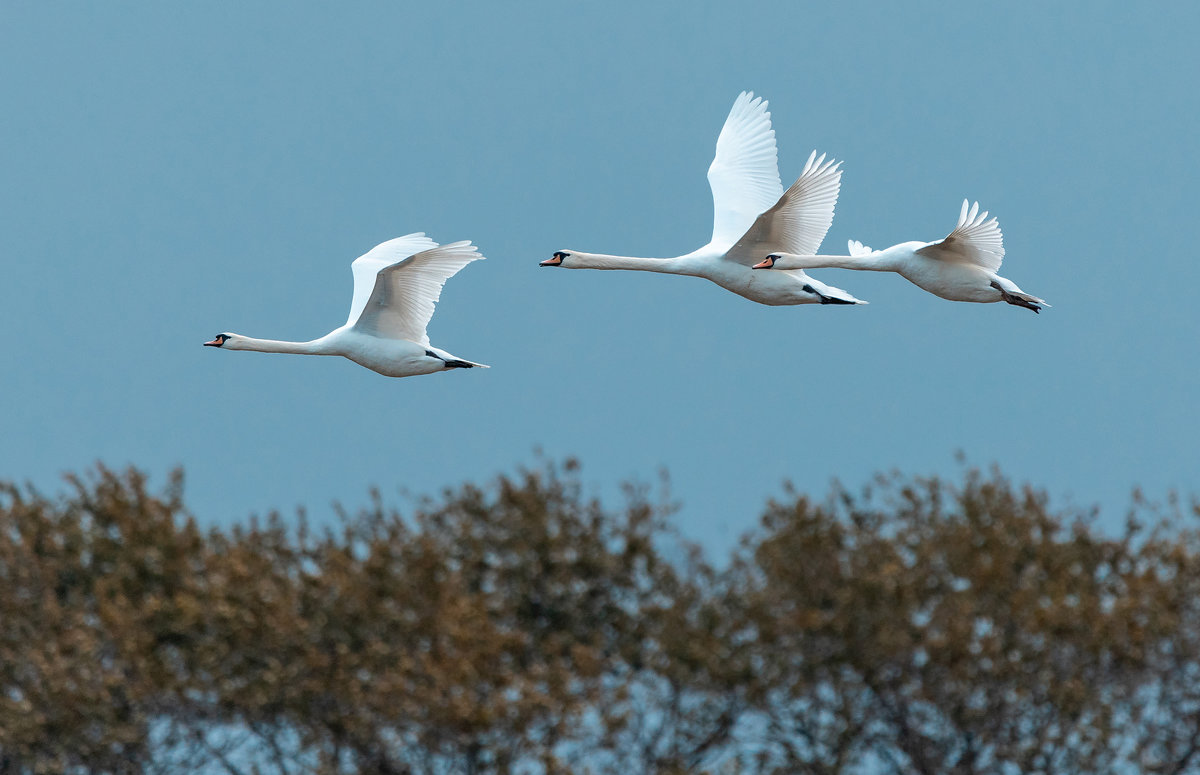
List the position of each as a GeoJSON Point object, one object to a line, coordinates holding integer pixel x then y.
{"type": "Point", "coordinates": [918, 626]}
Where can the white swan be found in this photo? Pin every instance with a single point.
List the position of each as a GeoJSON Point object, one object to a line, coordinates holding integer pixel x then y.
{"type": "Point", "coordinates": [752, 216]}
{"type": "Point", "coordinates": [396, 285]}
{"type": "Point", "coordinates": [961, 267]}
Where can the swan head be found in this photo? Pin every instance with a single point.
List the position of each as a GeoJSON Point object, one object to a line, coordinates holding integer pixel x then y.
{"type": "Point", "coordinates": [767, 262]}
{"type": "Point", "coordinates": [557, 259]}
{"type": "Point", "coordinates": [221, 340]}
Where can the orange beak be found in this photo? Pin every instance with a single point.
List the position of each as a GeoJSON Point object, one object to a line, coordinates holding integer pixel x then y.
{"type": "Point", "coordinates": [214, 343]}
{"type": "Point", "coordinates": [766, 263]}
{"type": "Point", "coordinates": [554, 261]}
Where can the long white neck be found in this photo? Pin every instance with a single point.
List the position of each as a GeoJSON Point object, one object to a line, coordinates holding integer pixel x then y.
{"type": "Point", "coordinates": [315, 347]}
{"type": "Point", "coordinates": [579, 260]}
{"type": "Point", "coordinates": [877, 262]}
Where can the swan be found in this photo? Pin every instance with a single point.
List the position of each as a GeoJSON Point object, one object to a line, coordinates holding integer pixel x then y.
{"type": "Point", "coordinates": [396, 285]}
{"type": "Point", "coordinates": [961, 267]}
{"type": "Point", "coordinates": [752, 215]}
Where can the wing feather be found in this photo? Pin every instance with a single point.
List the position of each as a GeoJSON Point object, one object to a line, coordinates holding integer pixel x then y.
{"type": "Point", "coordinates": [856, 248]}
{"type": "Point", "coordinates": [744, 174]}
{"type": "Point", "coordinates": [405, 293]}
{"type": "Point", "coordinates": [367, 266]}
{"type": "Point", "coordinates": [797, 223]}
{"type": "Point", "coordinates": [975, 240]}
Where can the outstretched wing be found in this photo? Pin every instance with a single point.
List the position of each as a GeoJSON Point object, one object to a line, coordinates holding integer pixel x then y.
{"type": "Point", "coordinates": [974, 240]}
{"type": "Point", "coordinates": [798, 221]}
{"type": "Point", "coordinates": [404, 296]}
{"type": "Point", "coordinates": [366, 266]}
{"type": "Point", "coordinates": [744, 175]}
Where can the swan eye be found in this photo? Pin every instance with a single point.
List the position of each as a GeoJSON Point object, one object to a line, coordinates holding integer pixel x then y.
{"type": "Point", "coordinates": [560, 255]}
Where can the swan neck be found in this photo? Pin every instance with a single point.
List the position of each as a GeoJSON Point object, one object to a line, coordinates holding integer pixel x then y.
{"type": "Point", "coordinates": [604, 261]}
{"type": "Point", "coordinates": [277, 346]}
{"type": "Point", "coordinates": [873, 261]}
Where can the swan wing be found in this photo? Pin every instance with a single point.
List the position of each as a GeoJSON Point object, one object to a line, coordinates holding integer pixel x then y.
{"type": "Point", "coordinates": [405, 293]}
{"type": "Point", "coordinates": [797, 223]}
{"type": "Point", "coordinates": [856, 248]}
{"type": "Point", "coordinates": [744, 175]}
{"type": "Point", "coordinates": [367, 266]}
{"type": "Point", "coordinates": [975, 240]}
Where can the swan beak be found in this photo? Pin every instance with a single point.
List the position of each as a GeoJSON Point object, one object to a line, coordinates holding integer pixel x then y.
{"type": "Point", "coordinates": [554, 261]}
{"type": "Point", "coordinates": [766, 263]}
{"type": "Point", "coordinates": [214, 343]}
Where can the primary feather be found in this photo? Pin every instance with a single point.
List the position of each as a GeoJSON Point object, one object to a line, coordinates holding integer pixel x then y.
{"type": "Point", "coordinates": [406, 292]}
{"type": "Point", "coordinates": [367, 266]}
{"type": "Point", "coordinates": [975, 240]}
{"type": "Point", "coordinates": [797, 223]}
{"type": "Point", "coordinates": [744, 174]}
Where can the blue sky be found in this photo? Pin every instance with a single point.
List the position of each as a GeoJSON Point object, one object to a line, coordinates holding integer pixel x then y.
{"type": "Point", "coordinates": [174, 170]}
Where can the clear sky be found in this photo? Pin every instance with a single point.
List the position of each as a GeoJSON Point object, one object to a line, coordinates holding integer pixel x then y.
{"type": "Point", "coordinates": [170, 170]}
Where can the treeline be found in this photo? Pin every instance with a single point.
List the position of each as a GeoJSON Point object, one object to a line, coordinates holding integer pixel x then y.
{"type": "Point", "coordinates": [920, 626]}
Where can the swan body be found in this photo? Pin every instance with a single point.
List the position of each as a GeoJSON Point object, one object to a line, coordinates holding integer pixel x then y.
{"type": "Point", "coordinates": [961, 267]}
{"type": "Point", "coordinates": [751, 211]}
{"type": "Point", "coordinates": [396, 286]}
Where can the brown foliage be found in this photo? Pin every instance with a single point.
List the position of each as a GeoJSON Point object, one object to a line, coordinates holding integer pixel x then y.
{"type": "Point", "coordinates": [965, 630]}
{"type": "Point", "coordinates": [919, 627]}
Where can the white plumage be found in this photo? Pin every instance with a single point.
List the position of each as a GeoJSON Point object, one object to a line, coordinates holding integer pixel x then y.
{"type": "Point", "coordinates": [396, 286]}
{"type": "Point", "coordinates": [975, 240]}
{"type": "Point", "coordinates": [404, 294]}
{"type": "Point", "coordinates": [752, 215]}
{"type": "Point", "coordinates": [744, 174]}
{"type": "Point", "coordinates": [961, 267]}
{"type": "Point", "coordinates": [367, 266]}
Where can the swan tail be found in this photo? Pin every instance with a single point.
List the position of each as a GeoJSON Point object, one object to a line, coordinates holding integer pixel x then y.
{"type": "Point", "coordinates": [827, 294]}
{"type": "Point", "coordinates": [1011, 294]}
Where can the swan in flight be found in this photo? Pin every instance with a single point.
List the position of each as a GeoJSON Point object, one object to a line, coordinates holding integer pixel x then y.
{"type": "Point", "coordinates": [752, 216]}
{"type": "Point", "coordinates": [961, 267]}
{"type": "Point", "coordinates": [396, 285]}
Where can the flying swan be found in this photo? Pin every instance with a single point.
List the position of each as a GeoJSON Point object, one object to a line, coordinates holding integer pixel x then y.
{"type": "Point", "coordinates": [961, 267]}
{"type": "Point", "coordinates": [752, 216]}
{"type": "Point", "coordinates": [396, 285]}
